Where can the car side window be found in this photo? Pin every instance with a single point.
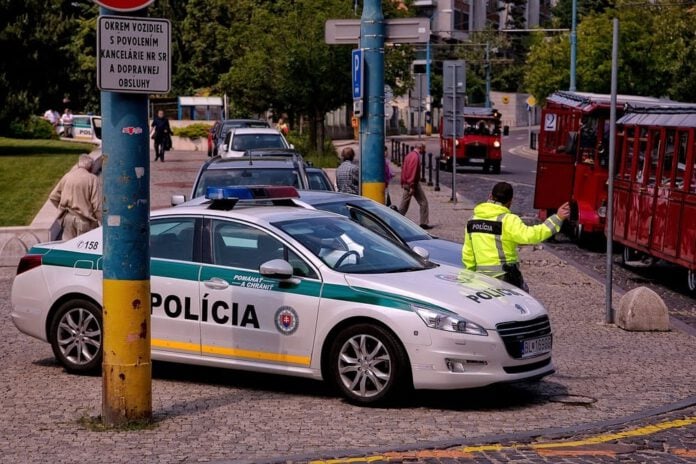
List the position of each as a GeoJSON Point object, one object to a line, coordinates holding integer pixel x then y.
{"type": "Point", "coordinates": [246, 247]}
{"type": "Point", "coordinates": [172, 238]}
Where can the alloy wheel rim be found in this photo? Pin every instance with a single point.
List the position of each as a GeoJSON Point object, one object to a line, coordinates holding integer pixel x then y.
{"type": "Point", "coordinates": [79, 336]}
{"type": "Point", "coordinates": [364, 365]}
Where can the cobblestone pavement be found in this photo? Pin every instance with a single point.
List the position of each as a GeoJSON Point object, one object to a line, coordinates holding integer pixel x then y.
{"type": "Point", "coordinates": [205, 414]}
{"type": "Point", "coordinates": [667, 438]}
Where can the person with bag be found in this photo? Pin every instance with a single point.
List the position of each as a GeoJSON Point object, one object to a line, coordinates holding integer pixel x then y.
{"type": "Point", "coordinates": [162, 135]}
{"type": "Point", "coordinates": [493, 234]}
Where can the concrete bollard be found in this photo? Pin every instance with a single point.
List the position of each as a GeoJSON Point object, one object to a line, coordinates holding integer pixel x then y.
{"type": "Point", "coordinates": [642, 309]}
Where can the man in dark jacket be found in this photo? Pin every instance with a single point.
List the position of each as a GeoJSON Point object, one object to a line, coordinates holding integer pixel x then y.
{"type": "Point", "coordinates": [410, 181]}
{"type": "Point", "coordinates": [161, 132]}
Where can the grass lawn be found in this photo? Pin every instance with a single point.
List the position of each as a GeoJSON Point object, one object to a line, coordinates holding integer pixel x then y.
{"type": "Point", "coordinates": [29, 169]}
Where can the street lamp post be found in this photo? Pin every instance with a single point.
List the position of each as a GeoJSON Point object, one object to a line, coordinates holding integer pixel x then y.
{"type": "Point", "coordinates": [573, 44]}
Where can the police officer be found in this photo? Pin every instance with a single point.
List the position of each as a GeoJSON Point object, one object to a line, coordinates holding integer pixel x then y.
{"type": "Point", "coordinates": [493, 234]}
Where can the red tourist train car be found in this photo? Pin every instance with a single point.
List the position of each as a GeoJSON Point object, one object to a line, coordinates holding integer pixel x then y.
{"type": "Point", "coordinates": [481, 142]}
{"type": "Point", "coordinates": [573, 156]}
{"type": "Point", "coordinates": [655, 186]}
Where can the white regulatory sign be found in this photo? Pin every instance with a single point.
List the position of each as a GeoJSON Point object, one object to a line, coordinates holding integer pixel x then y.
{"type": "Point", "coordinates": [133, 54]}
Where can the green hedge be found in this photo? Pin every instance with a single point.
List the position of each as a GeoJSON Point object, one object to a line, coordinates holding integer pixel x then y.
{"type": "Point", "coordinates": [329, 159]}
{"type": "Point", "coordinates": [32, 128]}
{"type": "Point", "coordinates": [194, 131]}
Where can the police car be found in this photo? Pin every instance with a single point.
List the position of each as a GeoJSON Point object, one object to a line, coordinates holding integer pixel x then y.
{"type": "Point", "coordinates": [288, 290]}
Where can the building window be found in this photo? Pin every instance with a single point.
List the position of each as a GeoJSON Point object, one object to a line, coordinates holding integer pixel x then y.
{"type": "Point", "coordinates": [461, 15]}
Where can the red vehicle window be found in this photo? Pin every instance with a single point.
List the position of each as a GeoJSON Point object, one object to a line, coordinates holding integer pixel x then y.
{"type": "Point", "coordinates": [628, 154]}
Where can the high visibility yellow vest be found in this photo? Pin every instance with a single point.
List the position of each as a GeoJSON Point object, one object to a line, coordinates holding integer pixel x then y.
{"type": "Point", "coordinates": [493, 234]}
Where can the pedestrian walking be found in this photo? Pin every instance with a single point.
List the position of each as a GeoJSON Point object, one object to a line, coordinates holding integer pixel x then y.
{"type": "Point", "coordinates": [410, 182]}
{"type": "Point", "coordinates": [493, 234]}
{"type": "Point", "coordinates": [348, 173]}
{"type": "Point", "coordinates": [78, 199]}
{"type": "Point", "coordinates": [50, 116]}
{"type": "Point", "coordinates": [67, 121]}
{"type": "Point", "coordinates": [161, 133]}
{"type": "Point", "coordinates": [282, 126]}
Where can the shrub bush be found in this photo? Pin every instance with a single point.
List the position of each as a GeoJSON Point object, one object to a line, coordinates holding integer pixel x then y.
{"type": "Point", "coordinates": [194, 131]}
{"type": "Point", "coordinates": [32, 128]}
{"type": "Point", "coordinates": [329, 159]}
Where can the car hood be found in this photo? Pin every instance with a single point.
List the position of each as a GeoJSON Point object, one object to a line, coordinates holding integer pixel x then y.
{"type": "Point", "coordinates": [441, 251]}
{"type": "Point", "coordinates": [478, 298]}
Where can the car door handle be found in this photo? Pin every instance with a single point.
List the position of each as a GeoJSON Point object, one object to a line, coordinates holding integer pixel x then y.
{"type": "Point", "coordinates": [216, 283]}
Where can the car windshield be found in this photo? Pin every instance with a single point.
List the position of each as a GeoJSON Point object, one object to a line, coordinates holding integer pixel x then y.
{"type": "Point", "coordinates": [347, 247]}
{"type": "Point", "coordinates": [318, 180]}
{"type": "Point", "coordinates": [246, 176]}
{"type": "Point", "coordinates": [241, 142]}
{"type": "Point", "coordinates": [404, 227]}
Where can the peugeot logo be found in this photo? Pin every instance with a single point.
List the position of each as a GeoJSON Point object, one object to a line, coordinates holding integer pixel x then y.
{"type": "Point", "coordinates": [521, 308]}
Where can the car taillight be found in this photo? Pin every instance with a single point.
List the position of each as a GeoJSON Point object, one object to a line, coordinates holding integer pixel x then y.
{"type": "Point", "coordinates": [28, 262]}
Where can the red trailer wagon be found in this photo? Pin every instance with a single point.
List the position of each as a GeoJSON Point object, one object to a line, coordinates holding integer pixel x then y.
{"type": "Point", "coordinates": [655, 186]}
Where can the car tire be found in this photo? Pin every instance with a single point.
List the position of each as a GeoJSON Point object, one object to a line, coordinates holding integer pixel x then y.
{"type": "Point", "coordinates": [691, 280]}
{"type": "Point", "coordinates": [368, 365]}
{"type": "Point", "coordinates": [76, 336]}
{"type": "Point", "coordinates": [496, 167]}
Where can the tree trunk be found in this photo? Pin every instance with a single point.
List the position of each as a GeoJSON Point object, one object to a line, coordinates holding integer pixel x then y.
{"type": "Point", "coordinates": [322, 132]}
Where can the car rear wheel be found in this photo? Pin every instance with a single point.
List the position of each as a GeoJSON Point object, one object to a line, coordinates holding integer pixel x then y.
{"type": "Point", "coordinates": [368, 364]}
{"type": "Point", "coordinates": [76, 336]}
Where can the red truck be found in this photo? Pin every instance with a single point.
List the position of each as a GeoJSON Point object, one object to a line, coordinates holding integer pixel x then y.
{"type": "Point", "coordinates": [480, 144]}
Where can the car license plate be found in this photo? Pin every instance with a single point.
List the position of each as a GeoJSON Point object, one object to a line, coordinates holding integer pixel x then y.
{"type": "Point", "coordinates": [536, 346]}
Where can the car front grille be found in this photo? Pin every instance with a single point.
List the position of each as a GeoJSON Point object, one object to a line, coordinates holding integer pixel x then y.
{"type": "Point", "coordinates": [513, 333]}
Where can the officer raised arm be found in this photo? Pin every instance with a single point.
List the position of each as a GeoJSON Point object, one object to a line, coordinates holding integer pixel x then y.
{"type": "Point", "coordinates": [493, 234]}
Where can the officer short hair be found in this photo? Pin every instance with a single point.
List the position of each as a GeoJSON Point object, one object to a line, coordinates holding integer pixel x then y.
{"type": "Point", "coordinates": [502, 192]}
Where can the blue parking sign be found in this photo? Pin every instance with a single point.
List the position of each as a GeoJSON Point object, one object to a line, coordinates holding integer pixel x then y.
{"type": "Point", "coordinates": [357, 67]}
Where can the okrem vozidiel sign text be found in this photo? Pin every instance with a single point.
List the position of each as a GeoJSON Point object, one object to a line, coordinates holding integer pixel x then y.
{"type": "Point", "coordinates": [133, 54]}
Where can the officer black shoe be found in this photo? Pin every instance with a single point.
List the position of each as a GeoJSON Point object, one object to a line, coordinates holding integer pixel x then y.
{"type": "Point", "coordinates": [426, 227]}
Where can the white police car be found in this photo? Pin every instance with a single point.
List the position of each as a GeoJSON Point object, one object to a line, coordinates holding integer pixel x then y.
{"type": "Point", "coordinates": [289, 290]}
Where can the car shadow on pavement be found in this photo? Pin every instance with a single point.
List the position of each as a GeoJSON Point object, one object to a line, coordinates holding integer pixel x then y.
{"type": "Point", "coordinates": [493, 397]}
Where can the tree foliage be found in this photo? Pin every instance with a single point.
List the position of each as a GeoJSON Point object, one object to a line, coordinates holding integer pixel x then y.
{"type": "Point", "coordinates": [657, 48]}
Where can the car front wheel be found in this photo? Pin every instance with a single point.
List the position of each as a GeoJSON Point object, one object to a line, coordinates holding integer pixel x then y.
{"type": "Point", "coordinates": [76, 336]}
{"type": "Point", "coordinates": [368, 364]}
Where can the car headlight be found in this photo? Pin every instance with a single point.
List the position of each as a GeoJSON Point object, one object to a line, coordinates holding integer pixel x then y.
{"type": "Point", "coordinates": [496, 144]}
{"type": "Point", "coordinates": [448, 322]}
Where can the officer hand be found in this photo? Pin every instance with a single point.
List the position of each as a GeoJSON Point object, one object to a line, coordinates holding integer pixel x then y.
{"type": "Point", "coordinates": [564, 211]}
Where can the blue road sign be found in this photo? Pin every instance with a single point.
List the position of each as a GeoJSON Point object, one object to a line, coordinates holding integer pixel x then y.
{"type": "Point", "coordinates": [357, 66]}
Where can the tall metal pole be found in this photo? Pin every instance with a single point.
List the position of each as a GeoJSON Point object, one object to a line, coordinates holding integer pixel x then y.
{"type": "Point", "coordinates": [573, 44]}
{"type": "Point", "coordinates": [428, 106]}
{"type": "Point", "coordinates": [454, 135]}
{"type": "Point", "coordinates": [610, 187]}
{"type": "Point", "coordinates": [372, 35]}
{"type": "Point", "coordinates": [126, 369]}
{"type": "Point", "coordinates": [488, 75]}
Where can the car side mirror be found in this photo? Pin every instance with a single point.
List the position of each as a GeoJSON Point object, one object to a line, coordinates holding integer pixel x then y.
{"type": "Point", "coordinates": [278, 269]}
{"type": "Point", "coordinates": [178, 199]}
{"type": "Point", "coordinates": [422, 252]}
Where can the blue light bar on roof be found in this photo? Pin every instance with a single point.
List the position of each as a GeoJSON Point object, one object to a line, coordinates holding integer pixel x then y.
{"type": "Point", "coordinates": [251, 192]}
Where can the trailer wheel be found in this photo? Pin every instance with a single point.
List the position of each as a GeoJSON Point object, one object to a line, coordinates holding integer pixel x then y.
{"type": "Point", "coordinates": [691, 279]}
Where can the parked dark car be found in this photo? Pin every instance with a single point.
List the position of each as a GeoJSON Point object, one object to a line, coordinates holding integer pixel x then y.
{"type": "Point", "coordinates": [385, 221]}
{"type": "Point", "coordinates": [221, 128]}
